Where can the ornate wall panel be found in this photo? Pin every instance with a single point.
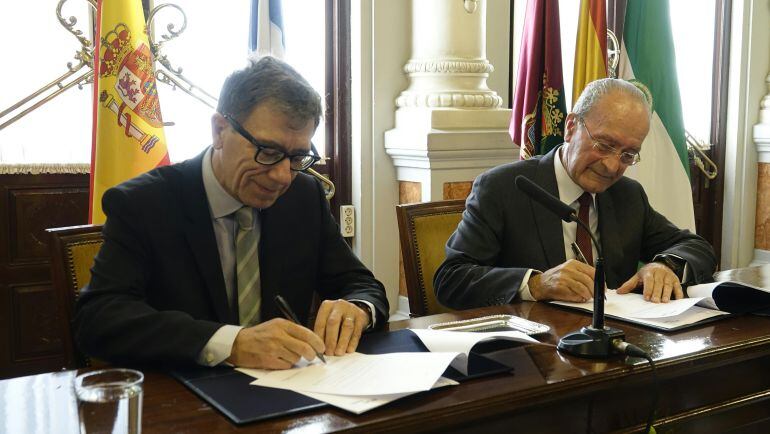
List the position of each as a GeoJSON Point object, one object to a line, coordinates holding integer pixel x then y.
{"type": "Point", "coordinates": [30, 341]}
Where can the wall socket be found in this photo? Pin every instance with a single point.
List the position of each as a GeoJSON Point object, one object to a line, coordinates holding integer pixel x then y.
{"type": "Point", "coordinates": [347, 221]}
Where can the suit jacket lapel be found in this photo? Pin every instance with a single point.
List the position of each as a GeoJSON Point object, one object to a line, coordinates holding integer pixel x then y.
{"type": "Point", "coordinates": [608, 231]}
{"type": "Point", "coordinates": [199, 232]}
{"type": "Point", "coordinates": [548, 224]}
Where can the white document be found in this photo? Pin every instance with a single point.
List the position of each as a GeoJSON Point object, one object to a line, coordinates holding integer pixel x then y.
{"type": "Point", "coordinates": [359, 374]}
{"type": "Point", "coordinates": [360, 404]}
{"type": "Point", "coordinates": [463, 342]}
{"type": "Point", "coordinates": [690, 316]}
{"type": "Point", "coordinates": [635, 306]}
{"type": "Point", "coordinates": [353, 404]}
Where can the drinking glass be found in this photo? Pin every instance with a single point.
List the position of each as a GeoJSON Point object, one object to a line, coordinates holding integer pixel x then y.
{"type": "Point", "coordinates": [110, 401]}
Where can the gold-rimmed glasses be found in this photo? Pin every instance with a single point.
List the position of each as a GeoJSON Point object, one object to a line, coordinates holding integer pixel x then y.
{"type": "Point", "coordinates": [606, 150]}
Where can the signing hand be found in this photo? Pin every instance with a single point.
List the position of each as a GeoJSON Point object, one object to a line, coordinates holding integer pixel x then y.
{"type": "Point", "coordinates": [275, 344]}
{"type": "Point", "coordinates": [659, 283]}
{"type": "Point", "coordinates": [340, 324]}
{"type": "Point", "coordinates": [570, 281]}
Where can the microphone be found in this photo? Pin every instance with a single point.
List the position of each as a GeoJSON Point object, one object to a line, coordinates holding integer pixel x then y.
{"type": "Point", "coordinates": [536, 192]}
{"type": "Point", "coordinates": [556, 206]}
{"type": "Point", "coordinates": [595, 341]}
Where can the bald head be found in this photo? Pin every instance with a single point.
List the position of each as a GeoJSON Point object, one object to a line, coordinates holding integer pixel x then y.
{"type": "Point", "coordinates": [596, 90]}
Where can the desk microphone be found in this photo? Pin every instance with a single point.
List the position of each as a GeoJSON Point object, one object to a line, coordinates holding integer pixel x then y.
{"type": "Point", "coordinates": [597, 340]}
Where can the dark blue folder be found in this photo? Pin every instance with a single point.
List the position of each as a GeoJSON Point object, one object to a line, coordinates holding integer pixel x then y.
{"type": "Point", "coordinates": [229, 391]}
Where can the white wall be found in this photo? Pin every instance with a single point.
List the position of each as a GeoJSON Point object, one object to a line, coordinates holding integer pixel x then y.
{"type": "Point", "coordinates": [498, 42]}
{"type": "Point", "coordinates": [381, 35]}
{"type": "Point", "coordinates": [749, 66]}
{"type": "Point", "coordinates": [378, 78]}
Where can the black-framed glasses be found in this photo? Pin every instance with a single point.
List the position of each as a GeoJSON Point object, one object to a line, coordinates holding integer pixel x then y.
{"type": "Point", "coordinates": [270, 155]}
{"type": "Point", "coordinates": [625, 157]}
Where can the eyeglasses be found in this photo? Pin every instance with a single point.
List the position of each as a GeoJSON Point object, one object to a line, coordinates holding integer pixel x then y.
{"type": "Point", "coordinates": [269, 155]}
{"type": "Point", "coordinates": [625, 157]}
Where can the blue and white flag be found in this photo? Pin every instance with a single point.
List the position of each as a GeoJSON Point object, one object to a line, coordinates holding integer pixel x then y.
{"type": "Point", "coordinates": [266, 31]}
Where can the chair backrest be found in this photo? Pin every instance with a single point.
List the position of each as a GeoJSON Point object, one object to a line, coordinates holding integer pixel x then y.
{"type": "Point", "coordinates": [424, 229]}
{"type": "Point", "coordinates": [72, 255]}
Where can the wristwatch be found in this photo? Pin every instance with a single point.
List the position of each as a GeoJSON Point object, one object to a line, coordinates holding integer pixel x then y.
{"type": "Point", "coordinates": [675, 263]}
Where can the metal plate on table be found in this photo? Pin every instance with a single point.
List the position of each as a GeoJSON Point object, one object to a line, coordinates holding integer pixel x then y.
{"type": "Point", "coordinates": [493, 323]}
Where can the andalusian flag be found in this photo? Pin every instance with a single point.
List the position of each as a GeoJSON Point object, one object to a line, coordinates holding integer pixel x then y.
{"type": "Point", "coordinates": [647, 56]}
{"type": "Point", "coordinates": [590, 46]}
{"type": "Point", "coordinates": [537, 120]}
{"type": "Point", "coordinates": [128, 134]}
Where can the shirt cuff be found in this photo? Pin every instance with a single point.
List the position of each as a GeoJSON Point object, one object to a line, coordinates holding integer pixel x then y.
{"type": "Point", "coordinates": [524, 288]}
{"type": "Point", "coordinates": [372, 312]}
{"type": "Point", "coordinates": [219, 346]}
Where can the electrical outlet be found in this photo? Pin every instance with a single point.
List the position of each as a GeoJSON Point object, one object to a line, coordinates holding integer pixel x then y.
{"type": "Point", "coordinates": [347, 221]}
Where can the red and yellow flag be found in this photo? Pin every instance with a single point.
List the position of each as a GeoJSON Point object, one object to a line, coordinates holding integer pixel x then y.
{"type": "Point", "coordinates": [591, 46]}
{"type": "Point", "coordinates": [128, 134]}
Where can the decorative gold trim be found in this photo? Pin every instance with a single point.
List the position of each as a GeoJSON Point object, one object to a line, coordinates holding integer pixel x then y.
{"type": "Point", "coordinates": [45, 168]}
{"type": "Point", "coordinates": [415, 247]}
{"type": "Point", "coordinates": [71, 263]}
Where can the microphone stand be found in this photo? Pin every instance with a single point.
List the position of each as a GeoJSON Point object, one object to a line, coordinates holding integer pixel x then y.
{"type": "Point", "coordinates": [595, 341]}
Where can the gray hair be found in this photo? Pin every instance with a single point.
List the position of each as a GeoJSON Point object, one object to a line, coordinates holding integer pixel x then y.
{"type": "Point", "coordinates": [595, 90]}
{"type": "Point", "coordinates": [268, 79]}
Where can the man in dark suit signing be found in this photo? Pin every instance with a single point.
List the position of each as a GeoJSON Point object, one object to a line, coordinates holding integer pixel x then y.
{"type": "Point", "coordinates": [194, 253]}
{"type": "Point", "coordinates": [507, 246]}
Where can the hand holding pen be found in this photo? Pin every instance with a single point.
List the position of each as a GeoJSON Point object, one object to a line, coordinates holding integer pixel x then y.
{"type": "Point", "coordinates": [286, 311]}
{"type": "Point", "coordinates": [581, 257]}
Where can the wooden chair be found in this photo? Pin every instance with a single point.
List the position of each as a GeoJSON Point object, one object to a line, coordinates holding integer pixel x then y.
{"type": "Point", "coordinates": [424, 229]}
{"type": "Point", "coordinates": [72, 255]}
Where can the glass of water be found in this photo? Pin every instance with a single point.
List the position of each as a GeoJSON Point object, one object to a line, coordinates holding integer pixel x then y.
{"type": "Point", "coordinates": [110, 401]}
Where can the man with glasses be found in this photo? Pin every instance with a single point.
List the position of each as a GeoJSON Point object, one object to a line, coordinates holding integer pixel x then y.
{"type": "Point", "coordinates": [195, 253]}
{"type": "Point", "coordinates": [508, 247]}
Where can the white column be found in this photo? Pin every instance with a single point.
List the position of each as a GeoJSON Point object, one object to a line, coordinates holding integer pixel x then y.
{"type": "Point", "coordinates": [449, 125]}
{"type": "Point", "coordinates": [762, 141]}
{"type": "Point", "coordinates": [749, 65]}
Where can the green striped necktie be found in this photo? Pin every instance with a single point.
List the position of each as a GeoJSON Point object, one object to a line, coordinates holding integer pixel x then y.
{"type": "Point", "coordinates": [247, 267]}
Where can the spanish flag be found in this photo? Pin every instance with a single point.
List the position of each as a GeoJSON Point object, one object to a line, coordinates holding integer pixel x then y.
{"type": "Point", "coordinates": [127, 137]}
{"type": "Point", "coordinates": [590, 46]}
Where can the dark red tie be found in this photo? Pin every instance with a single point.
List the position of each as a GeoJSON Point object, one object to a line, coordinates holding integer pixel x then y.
{"type": "Point", "coordinates": [583, 239]}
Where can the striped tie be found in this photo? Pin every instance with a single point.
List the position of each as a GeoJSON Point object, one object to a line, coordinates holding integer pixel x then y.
{"type": "Point", "coordinates": [247, 267]}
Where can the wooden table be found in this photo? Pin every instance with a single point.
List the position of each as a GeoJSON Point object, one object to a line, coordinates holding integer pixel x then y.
{"type": "Point", "coordinates": [713, 377]}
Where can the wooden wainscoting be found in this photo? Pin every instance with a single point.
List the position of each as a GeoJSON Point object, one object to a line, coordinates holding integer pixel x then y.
{"type": "Point", "coordinates": [30, 340]}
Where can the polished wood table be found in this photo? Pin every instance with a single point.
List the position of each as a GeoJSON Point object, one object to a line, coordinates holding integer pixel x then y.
{"type": "Point", "coordinates": [714, 378]}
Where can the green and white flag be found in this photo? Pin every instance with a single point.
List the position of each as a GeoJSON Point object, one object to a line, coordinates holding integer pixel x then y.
{"type": "Point", "coordinates": [647, 56]}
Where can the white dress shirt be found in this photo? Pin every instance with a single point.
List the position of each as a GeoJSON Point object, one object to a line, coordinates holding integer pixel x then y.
{"type": "Point", "coordinates": [222, 206]}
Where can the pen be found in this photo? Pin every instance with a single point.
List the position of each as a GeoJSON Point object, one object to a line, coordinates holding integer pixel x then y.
{"type": "Point", "coordinates": [578, 253]}
{"type": "Point", "coordinates": [285, 309]}
{"type": "Point", "coordinates": [580, 257]}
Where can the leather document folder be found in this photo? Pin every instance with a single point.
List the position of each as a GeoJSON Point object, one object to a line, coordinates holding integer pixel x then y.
{"type": "Point", "coordinates": [229, 391]}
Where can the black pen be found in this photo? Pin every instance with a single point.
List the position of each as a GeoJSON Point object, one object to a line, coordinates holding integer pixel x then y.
{"type": "Point", "coordinates": [285, 309]}
{"type": "Point", "coordinates": [581, 257]}
{"type": "Point", "coordinates": [578, 253]}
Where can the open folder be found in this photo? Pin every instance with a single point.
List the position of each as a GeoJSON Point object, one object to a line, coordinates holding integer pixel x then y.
{"type": "Point", "coordinates": [706, 302]}
{"type": "Point", "coordinates": [230, 391]}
